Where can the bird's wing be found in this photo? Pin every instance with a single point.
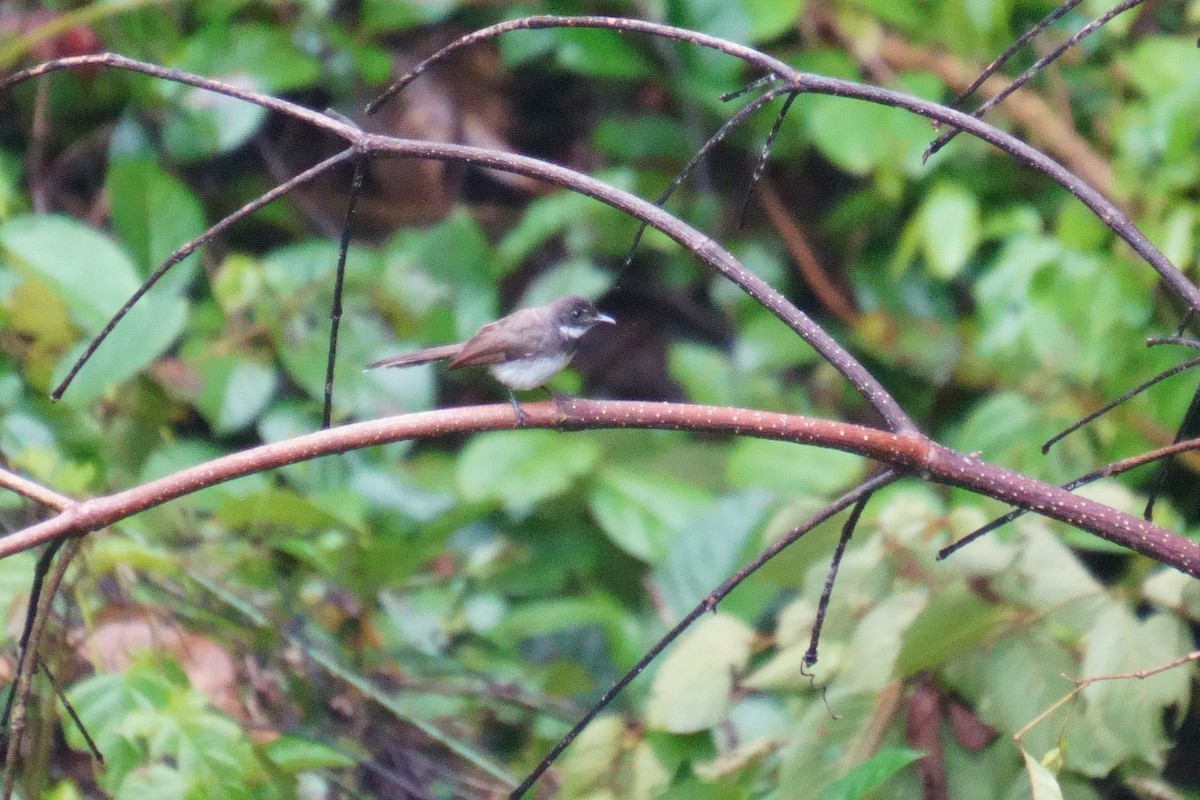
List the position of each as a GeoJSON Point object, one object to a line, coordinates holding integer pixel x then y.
{"type": "Point", "coordinates": [496, 343]}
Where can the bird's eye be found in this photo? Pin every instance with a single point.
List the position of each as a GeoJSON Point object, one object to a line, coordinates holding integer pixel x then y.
{"type": "Point", "coordinates": [576, 313]}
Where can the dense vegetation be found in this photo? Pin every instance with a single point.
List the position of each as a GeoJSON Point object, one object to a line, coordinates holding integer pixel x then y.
{"type": "Point", "coordinates": [426, 620]}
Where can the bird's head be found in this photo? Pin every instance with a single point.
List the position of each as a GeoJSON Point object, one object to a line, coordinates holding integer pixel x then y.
{"type": "Point", "coordinates": [576, 315]}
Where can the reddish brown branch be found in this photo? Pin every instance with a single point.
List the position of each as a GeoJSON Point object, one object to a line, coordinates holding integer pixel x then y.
{"type": "Point", "coordinates": [904, 451]}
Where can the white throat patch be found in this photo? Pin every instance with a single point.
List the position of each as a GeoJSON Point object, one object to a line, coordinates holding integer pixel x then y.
{"type": "Point", "coordinates": [572, 331]}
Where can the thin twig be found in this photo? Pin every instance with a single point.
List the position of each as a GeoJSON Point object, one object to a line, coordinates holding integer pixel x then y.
{"type": "Point", "coordinates": [186, 250]}
{"type": "Point", "coordinates": [763, 155]}
{"type": "Point", "coordinates": [709, 603]}
{"type": "Point", "coordinates": [1020, 42]}
{"type": "Point", "coordinates": [1186, 426]}
{"type": "Point", "coordinates": [1037, 67]}
{"type": "Point", "coordinates": [810, 656]}
{"type": "Point", "coordinates": [1129, 395]}
{"type": "Point", "coordinates": [335, 312]}
{"type": "Point", "coordinates": [704, 149]}
{"type": "Point", "coordinates": [21, 683]}
{"type": "Point", "coordinates": [1083, 683]}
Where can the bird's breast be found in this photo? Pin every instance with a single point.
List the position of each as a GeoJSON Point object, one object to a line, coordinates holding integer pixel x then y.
{"type": "Point", "coordinates": [530, 372]}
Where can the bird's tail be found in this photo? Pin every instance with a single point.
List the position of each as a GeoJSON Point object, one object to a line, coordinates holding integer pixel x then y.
{"type": "Point", "coordinates": [417, 357]}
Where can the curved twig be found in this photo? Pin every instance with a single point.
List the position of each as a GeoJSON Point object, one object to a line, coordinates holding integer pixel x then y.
{"type": "Point", "coordinates": [1101, 206]}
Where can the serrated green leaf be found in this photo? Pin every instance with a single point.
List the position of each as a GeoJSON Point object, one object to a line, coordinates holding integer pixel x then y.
{"type": "Point", "coordinates": [954, 622]}
{"type": "Point", "coordinates": [716, 536]}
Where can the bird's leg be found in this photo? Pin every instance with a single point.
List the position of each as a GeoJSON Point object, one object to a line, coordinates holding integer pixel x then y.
{"type": "Point", "coordinates": [512, 398]}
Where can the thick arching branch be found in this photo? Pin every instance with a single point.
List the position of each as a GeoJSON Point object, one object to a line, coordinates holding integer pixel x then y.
{"type": "Point", "coordinates": [903, 451]}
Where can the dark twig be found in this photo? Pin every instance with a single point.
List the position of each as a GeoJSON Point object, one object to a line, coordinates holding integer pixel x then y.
{"type": "Point", "coordinates": [1186, 426]}
{"type": "Point", "coordinates": [1107, 471]}
{"type": "Point", "coordinates": [810, 656]}
{"type": "Point", "coordinates": [763, 155]}
{"type": "Point", "coordinates": [707, 604]}
{"type": "Point", "coordinates": [752, 86]}
{"type": "Point", "coordinates": [699, 156]}
{"type": "Point", "coordinates": [335, 312]}
{"type": "Point", "coordinates": [1020, 42]}
{"type": "Point", "coordinates": [1134, 392]}
{"type": "Point", "coordinates": [22, 681]}
{"type": "Point", "coordinates": [79, 726]}
{"type": "Point", "coordinates": [1037, 67]}
{"type": "Point", "coordinates": [186, 250]}
{"type": "Point", "coordinates": [35, 592]}
{"type": "Point", "coordinates": [1178, 338]}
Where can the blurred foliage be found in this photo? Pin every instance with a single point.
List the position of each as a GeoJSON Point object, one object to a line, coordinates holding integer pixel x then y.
{"type": "Point", "coordinates": [426, 620]}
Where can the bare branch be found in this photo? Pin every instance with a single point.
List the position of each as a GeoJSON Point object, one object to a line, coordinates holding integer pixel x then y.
{"type": "Point", "coordinates": [1100, 205]}
{"type": "Point", "coordinates": [908, 452]}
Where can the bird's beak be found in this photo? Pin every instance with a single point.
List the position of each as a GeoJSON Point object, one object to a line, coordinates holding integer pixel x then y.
{"type": "Point", "coordinates": [605, 318]}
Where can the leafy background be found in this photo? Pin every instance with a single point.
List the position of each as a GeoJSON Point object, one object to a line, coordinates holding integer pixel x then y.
{"type": "Point", "coordinates": [426, 620]}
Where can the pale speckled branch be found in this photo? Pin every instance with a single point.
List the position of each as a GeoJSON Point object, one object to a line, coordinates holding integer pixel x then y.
{"type": "Point", "coordinates": [910, 452]}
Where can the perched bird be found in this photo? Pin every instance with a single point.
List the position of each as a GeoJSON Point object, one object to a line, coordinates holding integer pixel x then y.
{"type": "Point", "coordinates": [523, 350]}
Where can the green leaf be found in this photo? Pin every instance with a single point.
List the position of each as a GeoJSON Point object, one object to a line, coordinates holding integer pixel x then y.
{"type": "Point", "coordinates": [1042, 782]}
{"type": "Point", "coordinates": [254, 56]}
{"type": "Point", "coordinates": [790, 470]}
{"type": "Point", "coordinates": [154, 214]}
{"type": "Point", "coordinates": [598, 53]}
{"type": "Point", "coordinates": [592, 760]}
{"type": "Point", "coordinates": [871, 774]}
{"type": "Point", "coordinates": [293, 754]}
{"type": "Point", "coordinates": [642, 514]}
{"type": "Point", "coordinates": [644, 136]}
{"type": "Point", "coordinates": [1119, 644]}
{"type": "Point", "coordinates": [693, 687]}
{"type": "Point", "coordinates": [519, 469]}
{"type": "Point", "coordinates": [577, 276]}
{"type": "Point", "coordinates": [543, 218]}
{"type": "Point", "coordinates": [705, 372]}
{"type": "Point", "coordinates": [950, 221]}
{"type": "Point", "coordinates": [772, 18]}
{"type": "Point", "coordinates": [389, 17]}
{"type": "Point", "coordinates": [956, 621]}
{"type": "Point", "coordinates": [709, 552]}
{"type": "Point", "coordinates": [236, 391]}
{"type": "Point", "coordinates": [875, 645]}
{"type": "Point", "coordinates": [93, 278]}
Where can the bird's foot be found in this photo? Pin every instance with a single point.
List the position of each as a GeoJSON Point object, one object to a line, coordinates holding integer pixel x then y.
{"type": "Point", "coordinates": [512, 398]}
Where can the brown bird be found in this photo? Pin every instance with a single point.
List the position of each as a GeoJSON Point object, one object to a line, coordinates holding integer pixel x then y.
{"type": "Point", "coordinates": [523, 350]}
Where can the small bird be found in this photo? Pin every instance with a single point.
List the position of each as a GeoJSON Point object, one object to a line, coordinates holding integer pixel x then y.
{"type": "Point", "coordinates": [523, 350]}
